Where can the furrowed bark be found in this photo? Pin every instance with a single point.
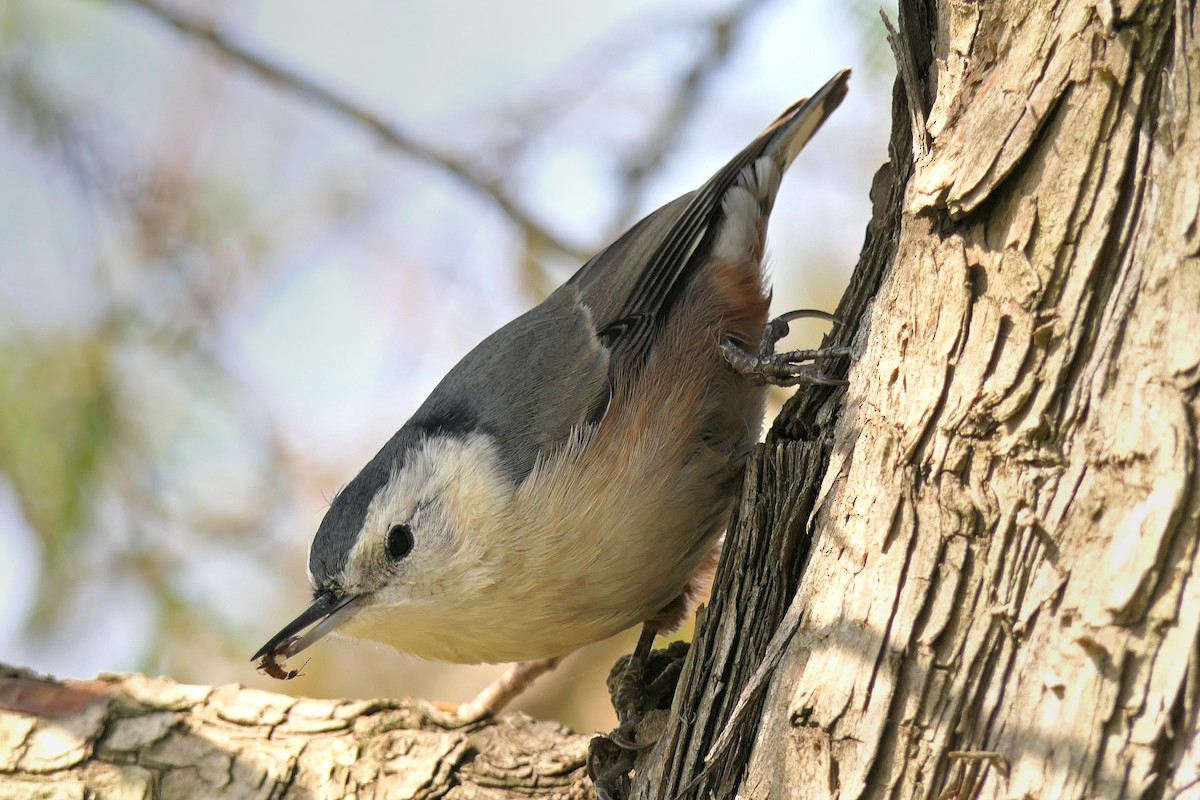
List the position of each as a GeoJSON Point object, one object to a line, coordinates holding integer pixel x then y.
{"type": "Point", "coordinates": [125, 737]}
{"type": "Point", "coordinates": [1001, 598]}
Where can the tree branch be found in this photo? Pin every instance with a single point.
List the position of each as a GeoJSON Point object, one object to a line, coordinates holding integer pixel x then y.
{"type": "Point", "coordinates": [388, 132]}
{"type": "Point", "coordinates": [154, 737]}
{"type": "Point", "coordinates": [722, 34]}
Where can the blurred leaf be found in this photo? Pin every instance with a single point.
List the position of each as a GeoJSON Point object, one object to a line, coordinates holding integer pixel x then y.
{"type": "Point", "coordinates": [56, 424]}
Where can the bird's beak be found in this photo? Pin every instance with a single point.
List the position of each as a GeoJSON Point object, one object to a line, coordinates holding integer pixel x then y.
{"type": "Point", "coordinates": [326, 612]}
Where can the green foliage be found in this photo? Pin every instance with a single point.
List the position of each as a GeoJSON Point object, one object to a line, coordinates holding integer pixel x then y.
{"type": "Point", "coordinates": [57, 424]}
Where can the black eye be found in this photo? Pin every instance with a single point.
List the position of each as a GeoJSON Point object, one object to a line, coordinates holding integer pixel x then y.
{"type": "Point", "coordinates": [400, 542]}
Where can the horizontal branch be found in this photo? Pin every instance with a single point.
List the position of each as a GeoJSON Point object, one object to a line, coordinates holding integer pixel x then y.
{"type": "Point", "coordinates": [155, 737]}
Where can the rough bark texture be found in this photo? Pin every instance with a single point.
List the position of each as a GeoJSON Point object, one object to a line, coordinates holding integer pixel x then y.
{"type": "Point", "coordinates": [1001, 598]}
{"type": "Point", "coordinates": [767, 549]}
{"type": "Point", "coordinates": [132, 737]}
{"type": "Point", "coordinates": [977, 564]}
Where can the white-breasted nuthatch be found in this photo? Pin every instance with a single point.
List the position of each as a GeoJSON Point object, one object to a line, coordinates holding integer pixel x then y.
{"type": "Point", "coordinates": [571, 476]}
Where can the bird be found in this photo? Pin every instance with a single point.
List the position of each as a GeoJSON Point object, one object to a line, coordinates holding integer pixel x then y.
{"type": "Point", "coordinates": [571, 476]}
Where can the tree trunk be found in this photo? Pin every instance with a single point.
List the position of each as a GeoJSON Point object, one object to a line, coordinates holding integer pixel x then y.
{"type": "Point", "coordinates": [993, 533]}
{"type": "Point", "coordinates": [969, 574]}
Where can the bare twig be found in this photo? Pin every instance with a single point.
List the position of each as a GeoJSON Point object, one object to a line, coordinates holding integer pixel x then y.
{"type": "Point", "coordinates": [912, 87]}
{"type": "Point", "coordinates": [723, 31]}
{"type": "Point", "coordinates": [36, 109]}
{"type": "Point", "coordinates": [388, 132]}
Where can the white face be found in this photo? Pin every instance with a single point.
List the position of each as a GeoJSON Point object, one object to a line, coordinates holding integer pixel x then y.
{"type": "Point", "coordinates": [416, 556]}
{"type": "Point", "coordinates": [435, 567]}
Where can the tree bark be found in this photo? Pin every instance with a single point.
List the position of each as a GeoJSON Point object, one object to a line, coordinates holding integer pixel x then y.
{"type": "Point", "coordinates": [971, 573]}
{"type": "Point", "coordinates": [993, 534]}
{"type": "Point", "coordinates": [126, 737]}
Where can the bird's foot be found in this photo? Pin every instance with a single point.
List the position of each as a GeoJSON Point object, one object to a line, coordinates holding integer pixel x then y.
{"type": "Point", "coordinates": [789, 368]}
{"type": "Point", "coordinates": [639, 684]}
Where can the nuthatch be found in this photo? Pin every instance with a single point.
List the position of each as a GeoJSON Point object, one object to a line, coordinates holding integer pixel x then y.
{"type": "Point", "coordinates": [571, 476]}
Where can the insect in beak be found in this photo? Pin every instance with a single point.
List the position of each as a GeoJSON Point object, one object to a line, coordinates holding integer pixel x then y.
{"type": "Point", "coordinates": [327, 611]}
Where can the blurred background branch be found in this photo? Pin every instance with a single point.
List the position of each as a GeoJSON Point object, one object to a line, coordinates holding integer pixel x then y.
{"type": "Point", "coordinates": [222, 290]}
{"type": "Point", "coordinates": [680, 108]}
{"type": "Point", "coordinates": [388, 132]}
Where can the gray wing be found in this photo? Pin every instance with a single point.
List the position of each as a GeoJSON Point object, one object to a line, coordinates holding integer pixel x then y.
{"type": "Point", "coordinates": [527, 385]}
{"type": "Point", "coordinates": [631, 285]}
{"type": "Point", "coordinates": [551, 370]}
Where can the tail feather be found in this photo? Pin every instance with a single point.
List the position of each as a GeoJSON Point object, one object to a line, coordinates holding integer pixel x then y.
{"type": "Point", "coordinates": [747, 204]}
{"type": "Point", "coordinates": [632, 284]}
{"type": "Point", "coordinates": [794, 127]}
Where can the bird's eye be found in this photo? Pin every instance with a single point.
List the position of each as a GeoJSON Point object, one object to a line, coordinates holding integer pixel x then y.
{"type": "Point", "coordinates": [399, 542]}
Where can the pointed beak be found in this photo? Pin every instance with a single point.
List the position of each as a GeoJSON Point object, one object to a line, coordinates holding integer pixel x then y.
{"type": "Point", "coordinates": [326, 612]}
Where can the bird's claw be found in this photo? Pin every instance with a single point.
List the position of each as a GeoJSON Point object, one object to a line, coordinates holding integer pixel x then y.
{"type": "Point", "coordinates": [639, 684]}
{"type": "Point", "coordinates": [790, 368]}
{"type": "Point", "coordinates": [626, 739]}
